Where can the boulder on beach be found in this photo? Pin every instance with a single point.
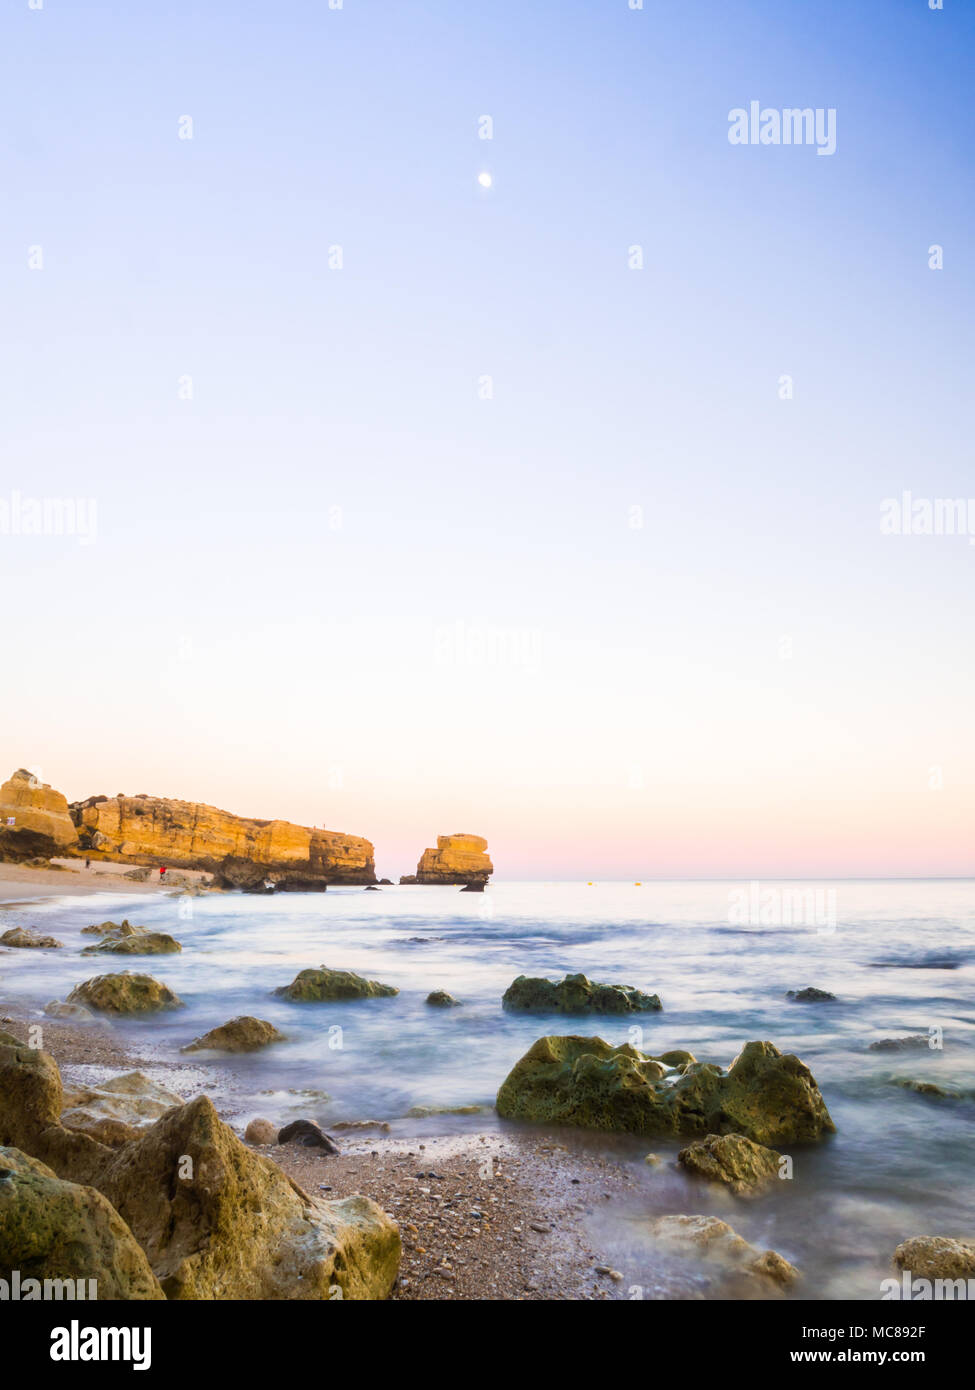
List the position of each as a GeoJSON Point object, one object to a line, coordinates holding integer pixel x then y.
{"type": "Point", "coordinates": [219, 1221]}
{"type": "Point", "coordinates": [745, 1167]}
{"type": "Point", "coordinates": [937, 1257]}
{"type": "Point", "coordinates": [52, 1230]}
{"type": "Point", "coordinates": [308, 1133]}
{"type": "Point", "coordinates": [142, 943]}
{"type": "Point", "coordinates": [576, 994]}
{"type": "Point", "coordinates": [117, 1110]}
{"type": "Point", "coordinates": [768, 1097]}
{"type": "Point", "coordinates": [809, 995]}
{"type": "Point", "coordinates": [124, 993]}
{"type": "Point", "coordinates": [315, 986]}
{"type": "Point", "coordinates": [27, 940]}
{"type": "Point", "coordinates": [261, 1131]}
{"type": "Point", "coordinates": [244, 1034]}
{"type": "Point", "coordinates": [440, 999]}
{"type": "Point", "coordinates": [716, 1240]}
{"type": "Point", "coordinates": [31, 1102]}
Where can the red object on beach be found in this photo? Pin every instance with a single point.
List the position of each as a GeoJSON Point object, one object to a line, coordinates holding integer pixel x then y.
{"type": "Point", "coordinates": [162, 870]}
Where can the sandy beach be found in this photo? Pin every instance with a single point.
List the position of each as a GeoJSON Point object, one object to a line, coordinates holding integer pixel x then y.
{"type": "Point", "coordinates": [20, 883]}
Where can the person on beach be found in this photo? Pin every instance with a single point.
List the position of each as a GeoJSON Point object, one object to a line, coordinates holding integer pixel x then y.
{"type": "Point", "coordinates": [87, 863]}
{"type": "Point", "coordinates": [162, 874]}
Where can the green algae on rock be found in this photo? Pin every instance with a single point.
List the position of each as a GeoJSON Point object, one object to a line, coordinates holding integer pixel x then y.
{"type": "Point", "coordinates": [315, 986]}
{"type": "Point", "coordinates": [244, 1034]}
{"type": "Point", "coordinates": [767, 1097]}
{"type": "Point", "coordinates": [149, 943]}
{"type": "Point", "coordinates": [742, 1165]}
{"type": "Point", "coordinates": [441, 999]}
{"type": "Point", "coordinates": [576, 994]}
{"type": "Point", "coordinates": [55, 1231]}
{"type": "Point", "coordinates": [124, 993]}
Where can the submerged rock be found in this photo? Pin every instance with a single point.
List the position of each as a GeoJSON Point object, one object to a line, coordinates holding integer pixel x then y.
{"type": "Point", "coordinates": [809, 995]}
{"type": "Point", "coordinates": [139, 943]}
{"type": "Point", "coordinates": [575, 995]}
{"type": "Point", "coordinates": [744, 1166]}
{"type": "Point", "coordinates": [937, 1257]}
{"type": "Point", "coordinates": [244, 1034]}
{"type": "Point", "coordinates": [929, 1088]}
{"type": "Point", "coordinates": [112, 929]}
{"type": "Point", "coordinates": [440, 999]}
{"type": "Point", "coordinates": [124, 993]}
{"type": "Point", "coordinates": [314, 986]}
{"type": "Point", "coordinates": [21, 937]}
{"type": "Point", "coordinates": [219, 1221]}
{"type": "Point", "coordinates": [716, 1240]}
{"type": "Point", "coordinates": [57, 1008]}
{"type": "Point", "coordinates": [768, 1097]}
{"type": "Point", "coordinates": [56, 1230]}
{"type": "Point", "coordinates": [912, 1043]}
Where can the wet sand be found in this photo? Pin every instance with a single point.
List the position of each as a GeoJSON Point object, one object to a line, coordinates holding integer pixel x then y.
{"type": "Point", "coordinates": [22, 884]}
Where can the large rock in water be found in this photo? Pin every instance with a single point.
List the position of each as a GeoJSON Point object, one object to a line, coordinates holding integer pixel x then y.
{"type": "Point", "coordinates": [937, 1257]}
{"type": "Point", "coordinates": [744, 1166]}
{"type": "Point", "coordinates": [244, 1034]}
{"type": "Point", "coordinates": [575, 995]}
{"type": "Point", "coordinates": [189, 834]}
{"type": "Point", "coordinates": [21, 937]}
{"type": "Point", "coordinates": [218, 1221]}
{"type": "Point", "coordinates": [316, 986]}
{"type": "Point", "coordinates": [141, 943]}
{"type": "Point", "coordinates": [768, 1097]}
{"type": "Point", "coordinates": [715, 1240]}
{"type": "Point", "coordinates": [42, 823]}
{"type": "Point", "coordinates": [56, 1230]}
{"type": "Point", "coordinates": [457, 859]}
{"type": "Point", "coordinates": [124, 993]}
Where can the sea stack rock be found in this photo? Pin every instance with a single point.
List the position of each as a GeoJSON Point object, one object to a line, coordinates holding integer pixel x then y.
{"type": "Point", "coordinates": [34, 819]}
{"type": "Point", "coordinates": [240, 852]}
{"type": "Point", "coordinates": [458, 858]}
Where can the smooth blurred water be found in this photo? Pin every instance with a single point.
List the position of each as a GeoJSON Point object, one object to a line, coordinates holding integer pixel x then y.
{"type": "Point", "coordinates": [900, 961]}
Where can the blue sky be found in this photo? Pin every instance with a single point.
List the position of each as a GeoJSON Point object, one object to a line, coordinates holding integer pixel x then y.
{"type": "Point", "coordinates": [276, 557]}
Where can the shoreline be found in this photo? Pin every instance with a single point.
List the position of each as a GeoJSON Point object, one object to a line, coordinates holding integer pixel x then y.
{"type": "Point", "coordinates": [482, 1216]}
{"type": "Point", "coordinates": [21, 884]}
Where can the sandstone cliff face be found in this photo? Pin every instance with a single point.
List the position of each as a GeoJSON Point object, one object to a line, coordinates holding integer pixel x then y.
{"type": "Point", "coordinates": [42, 823]}
{"type": "Point", "coordinates": [457, 859]}
{"type": "Point", "coordinates": [192, 835]}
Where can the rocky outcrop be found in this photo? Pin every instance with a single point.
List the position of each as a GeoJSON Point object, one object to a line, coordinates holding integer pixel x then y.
{"type": "Point", "coordinates": [244, 1034]}
{"type": "Point", "coordinates": [218, 1221]}
{"type": "Point", "coordinates": [213, 1219]}
{"type": "Point", "coordinates": [747, 1168]}
{"type": "Point", "coordinates": [937, 1257]}
{"type": "Point", "coordinates": [457, 859]}
{"type": "Point", "coordinates": [441, 999]}
{"type": "Point", "coordinates": [140, 943]}
{"type": "Point", "coordinates": [575, 995]}
{"type": "Point", "coordinates": [809, 995]}
{"type": "Point", "coordinates": [316, 986]}
{"type": "Point", "coordinates": [124, 993]}
{"type": "Point", "coordinates": [309, 1134]}
{"type": "Point", "coordinates": [112, 930]}
{"type": "Point", "coordinates": [29, 940]}
{"type": "Point", "coordinates": [189, 834]}
{"type": "Point", "coordinates": [768, 1097]}
{"type": "Point", "coordinates": [716, 1241]}
{"type": "Point", "coordinates": [57, 1231]}
{"type": "Point", "coordinates": [117, 1110]}
{"type": "Point", "coordinates": [34, 819]}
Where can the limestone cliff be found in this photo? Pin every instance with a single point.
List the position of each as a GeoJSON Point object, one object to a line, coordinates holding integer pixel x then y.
{"type": "Point", "coordinates": [457, 859]}
{"type": "Point", "coordinates": [34, 819]}
{"type": "Point", "coordinates": [189, 834]}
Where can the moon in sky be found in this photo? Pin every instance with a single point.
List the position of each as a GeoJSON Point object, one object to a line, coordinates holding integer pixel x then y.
{"type": "Point", "coordinates": [485, 179]}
